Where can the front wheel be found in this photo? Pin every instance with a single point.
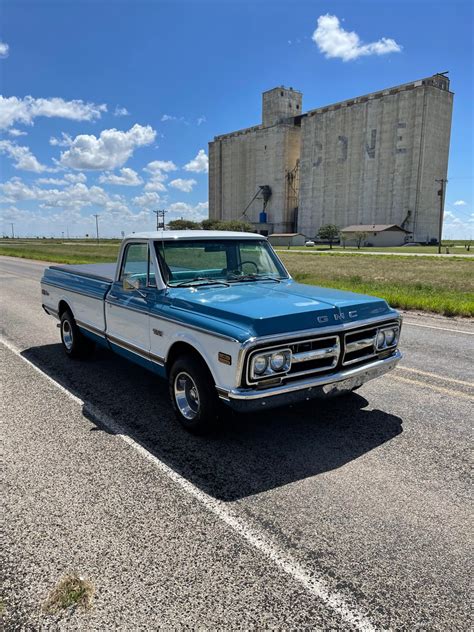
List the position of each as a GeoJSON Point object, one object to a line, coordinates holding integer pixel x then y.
{"type": "Point", "coordinates": [193, 394]}
{"type": "Point", "coordinates": [75, 344]}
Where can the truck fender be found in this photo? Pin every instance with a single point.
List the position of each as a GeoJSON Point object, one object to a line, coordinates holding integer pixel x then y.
{"type": "Point", "coordinates": [192, 340]}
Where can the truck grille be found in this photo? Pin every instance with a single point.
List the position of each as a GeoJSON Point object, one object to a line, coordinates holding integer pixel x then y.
{"type": "Point", "coordinates": [324, 353]}
{"type": "Point", "coordinates": [315, 355]}
{"type": "Point", "coordinates": [360, 345]}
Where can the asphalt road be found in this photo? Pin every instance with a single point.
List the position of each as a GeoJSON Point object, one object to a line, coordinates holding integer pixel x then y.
{"type": "Point", "coordinates": [342, 515]}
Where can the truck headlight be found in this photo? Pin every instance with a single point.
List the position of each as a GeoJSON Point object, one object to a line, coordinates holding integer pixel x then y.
{"type": "Point", "coordinates": [268, 363]}
{"type": "Point", "coordinates": [280, 361]}
{"type": "Point", "coordinates": [380, 340]}
{"type": "Point", "coordinates": [390, 336]}
{"type": "Point", "coordinates": [387, 337]}
{"type": "Point", "coordinates": [260, 364]}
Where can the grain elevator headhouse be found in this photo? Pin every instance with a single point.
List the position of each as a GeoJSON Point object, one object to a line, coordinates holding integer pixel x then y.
{"type": "Point", "coordinates": [372, 159]}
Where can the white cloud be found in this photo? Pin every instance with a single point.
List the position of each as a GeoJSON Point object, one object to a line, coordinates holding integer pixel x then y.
{"type": "Point", "coordinates": [199, 164]}
{"type": "Point", "coordinates": [64, 141]}
{"type": "Point", "coordinates": [75, 222]}
{"type": "Point", "coordinates": [128, 177]}
{"type": "Point", "coordinates": [13, 131]}
{"type": "Point", "coordinates": [183, 184]}
{"type": "Point", "coordinates": [158, 170]}
{"type": "Point", "coordinates": [17, 110]}
{"type": "Point", "coordinates": [333, 41]}
{"type": "Point", "coordinates": [201, 119]}
{"type": "Point", "coordinates": [69, 178]}
{"type": "Point", "coordinates": [120, 111]}
{"type": "Point", "coordinates": [170, 117]}
{"type": "Point", "coordinates": [74, 196]}
{"type": "Point", "coordinates": [195, 213]}
{"type": "Point", "coordinates": [22, 157]}
{"type": "Point", "coordinates": [110, 150]}
{"type": "Point", "coordinates": [157, 166]}
{"type": "Point", "coordinates": [460, 203]}
{"type": "Point", "coordinates": [156, 183]}
{"type": "Point", "coordinates": [4, 50]}
{"type": "Point", "coordinates": [146, 200]}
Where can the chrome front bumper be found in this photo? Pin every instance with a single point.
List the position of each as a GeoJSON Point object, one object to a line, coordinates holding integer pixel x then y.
{"type": "Point", "coordinates": [246, 400]}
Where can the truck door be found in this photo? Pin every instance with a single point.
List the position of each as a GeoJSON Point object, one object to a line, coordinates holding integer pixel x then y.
{"type": "Point", "coordinates": [127, 305]}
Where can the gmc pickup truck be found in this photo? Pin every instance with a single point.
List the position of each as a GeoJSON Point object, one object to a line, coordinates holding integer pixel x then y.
{"type": "Point", "coordinates": [219, 316]}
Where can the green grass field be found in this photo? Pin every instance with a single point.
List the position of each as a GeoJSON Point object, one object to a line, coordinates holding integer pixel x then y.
{"type": "Point", "coordinates": [440, 285]}
{"type": "Point", "coordinates": [444, 286]}
{"type": "Point", "coordinates": [452, 247]}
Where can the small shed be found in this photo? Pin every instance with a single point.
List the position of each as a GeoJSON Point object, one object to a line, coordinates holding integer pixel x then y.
{"type": "Point", "coordinates": [377, 235]}
{"type": "Point", "coordinates": [287, 239]}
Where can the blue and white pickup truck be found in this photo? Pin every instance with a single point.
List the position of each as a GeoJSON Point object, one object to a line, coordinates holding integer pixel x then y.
{"type": "Point", "coordinates": [218, 315]}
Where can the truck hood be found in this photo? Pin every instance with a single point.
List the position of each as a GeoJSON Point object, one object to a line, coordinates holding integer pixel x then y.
{"type": "Point", "coordinates": [261, 308]}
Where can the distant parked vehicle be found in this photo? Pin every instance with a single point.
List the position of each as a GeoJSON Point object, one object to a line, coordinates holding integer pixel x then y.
{"type": "Point", "coordinates": [310, 243]}
{"type": "Point", "coordinates": [218, 315]}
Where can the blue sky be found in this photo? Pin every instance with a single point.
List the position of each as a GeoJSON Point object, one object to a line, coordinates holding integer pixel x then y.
{"type": "Point", "coordinates": [125, 95]}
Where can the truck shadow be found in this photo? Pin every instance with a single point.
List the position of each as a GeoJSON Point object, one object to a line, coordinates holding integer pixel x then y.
{"type": "Point", "coordinates": [248, 454]}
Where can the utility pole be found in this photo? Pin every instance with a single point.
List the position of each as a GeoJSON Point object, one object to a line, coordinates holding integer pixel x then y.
{"type": "Point", "coordinates": [160, 219]}
{"type": "Point", "coordinates": [13, 231]}
{"type": "Point", "coordinates": [441, 193]}
{"type": "Point", "coordinates": [97, 226]}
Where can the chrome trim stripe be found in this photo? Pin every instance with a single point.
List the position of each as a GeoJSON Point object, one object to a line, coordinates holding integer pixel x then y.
{"type": "Point", "coordinates": [195, 327]}
{"type": "Point", "coordinates": [175, 322]}
{"type": "Point", "coordinates": [67, 289]}
{"type": "Point", "coordinates": [143, 312]}
{"type": "Point", "coordinates": [93, 330]}
{"type": "Point", "coordinates": [133, 349]}
{"type": "Point", "coordinates": [252, 394]}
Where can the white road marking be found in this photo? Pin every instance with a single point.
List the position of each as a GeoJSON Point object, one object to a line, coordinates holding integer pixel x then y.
{"type": "Point", "coordinates": [315, 585]}
{"type": "Point", "coordinates": [457, 331]}
{"type": "Point", "coordinates": [435, 375]}
{"type": "Point", "coordinates": [447, 391]}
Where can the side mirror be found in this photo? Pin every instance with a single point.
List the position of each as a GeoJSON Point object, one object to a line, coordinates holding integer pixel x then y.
{"type": "Point", "coordinates": [129, 283]}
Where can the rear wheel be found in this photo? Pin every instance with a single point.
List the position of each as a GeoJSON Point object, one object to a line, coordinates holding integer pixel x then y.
{"type": "Point", "coordinates": [193, 394]}
{"type": "Point", "coordinates": [75, 344]}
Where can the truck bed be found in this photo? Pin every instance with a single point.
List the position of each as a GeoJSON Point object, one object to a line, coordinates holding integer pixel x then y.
{"type": "Point", "coordinates": [99, 271]}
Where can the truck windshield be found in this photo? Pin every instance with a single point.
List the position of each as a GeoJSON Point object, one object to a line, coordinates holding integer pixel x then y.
{"type": "Point", "coordinates": [186, 262]}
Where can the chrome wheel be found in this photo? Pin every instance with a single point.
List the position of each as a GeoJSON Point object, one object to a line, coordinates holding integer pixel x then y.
{"type": "Point", "coordinates": [186, 395]}
{"type": "Point", "coordinates": [67, 334]}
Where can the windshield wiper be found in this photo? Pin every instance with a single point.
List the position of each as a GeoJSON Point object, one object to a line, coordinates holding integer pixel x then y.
{"type": "Point", "coordinates": [201, 281]}
{"type": "Point", "coordinates": [252, 277]}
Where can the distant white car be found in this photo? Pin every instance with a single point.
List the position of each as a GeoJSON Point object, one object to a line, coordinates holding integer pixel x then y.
{"type": "Point", "coordinates": [309, 243]}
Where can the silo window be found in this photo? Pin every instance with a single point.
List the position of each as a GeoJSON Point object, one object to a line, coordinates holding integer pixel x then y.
{"type": "Point", "coordinates": [297, 107]}
{"type": "Point", "coordinates": [281, 94]}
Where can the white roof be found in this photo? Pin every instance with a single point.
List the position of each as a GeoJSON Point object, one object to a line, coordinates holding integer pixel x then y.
{"type": "Point", "coordinates": [194, 234]}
